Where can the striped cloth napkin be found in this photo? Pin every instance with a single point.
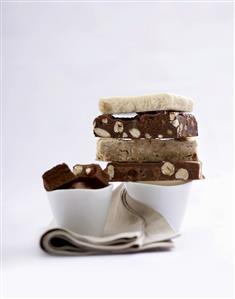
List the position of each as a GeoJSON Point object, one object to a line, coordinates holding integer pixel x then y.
{"type": "Point", "coordinates": [130, 227]}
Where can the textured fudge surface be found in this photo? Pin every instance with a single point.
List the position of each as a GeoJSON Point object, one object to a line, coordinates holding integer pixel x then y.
{"type": "Point", "coordinates": [161, 124]}
{"type": "Point", "coordinates": [146, 150]}
{"type": "Point", "coordinates": [165, 170]}
{"type": "Point", "coordinates": [153, 102]}
{"type": "Point", "coordinates": [57, 177]}
{"type": "Point", "coordinates": [91, 174]}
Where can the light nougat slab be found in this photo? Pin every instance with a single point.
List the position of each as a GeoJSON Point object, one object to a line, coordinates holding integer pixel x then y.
{"type": "Point", "coordinates": [153, 102]}
{"type": "Point", "coordinates": [146, 150]}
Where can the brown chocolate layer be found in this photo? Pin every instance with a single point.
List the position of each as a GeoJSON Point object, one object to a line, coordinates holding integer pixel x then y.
{"type": "Point", "coordinates": [165, 170]}
{"type": "Point", "coordinates": [91, 174]}
{"type": "Point", "coordinates": [57, 177]}
{"type": "Point", "coordinates": [160, 124]}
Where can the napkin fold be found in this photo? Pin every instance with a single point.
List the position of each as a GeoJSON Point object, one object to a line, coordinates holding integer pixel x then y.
{"type": "Point", "coordinates": [130, 227]}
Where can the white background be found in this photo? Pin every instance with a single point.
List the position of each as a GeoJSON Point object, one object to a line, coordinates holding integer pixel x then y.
{"type": "Point", "coordinates": [58, 59]}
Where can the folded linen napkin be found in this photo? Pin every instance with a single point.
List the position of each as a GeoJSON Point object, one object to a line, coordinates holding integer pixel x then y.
{"type": "Point", "coordinates": [130, 227]}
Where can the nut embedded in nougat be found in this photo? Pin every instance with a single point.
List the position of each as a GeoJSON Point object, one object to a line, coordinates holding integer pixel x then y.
{"type": "Point", "coordinates": [168, 168]}
{"type": "Point", "coordinates": [110, 170]}
{"type": "Point", "coordinates": [118, 127]}
{"type": "Point", "coordinates": [182, 174]}
{"type": "Point", "coordinates": [77, 169]}
{"type": "Point", "coordinates": [91, 174]}
{"type": "Point", "coordinates": [101, 132]}
{"type": "Point", "coordinates": [135, 132]}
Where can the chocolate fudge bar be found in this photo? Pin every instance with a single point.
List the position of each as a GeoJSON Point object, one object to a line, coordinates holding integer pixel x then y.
{"type": "Point", "coordinates": [146, 150]}
{"type": "Point", "coordinates": [92, 174]}
{"type": "Point", "coordinates": [58, 177]}
{"type": "Point", "coordinates": [89, 176]}
{"type": "Point", "coordinates": [161, 124]}
{"type": "Point", "coordinates": [159, 171]}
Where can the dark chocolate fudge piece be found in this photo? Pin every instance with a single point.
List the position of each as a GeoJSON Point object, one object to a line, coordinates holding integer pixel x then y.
{"type": "Point", "coordinates": [92, 174]}
{"type": "Point", "coordinates": [157, 171]}
{"type": "Point", "coordinates": [58, 177]}
{"type": "Point", "coordinates": [160, 124]}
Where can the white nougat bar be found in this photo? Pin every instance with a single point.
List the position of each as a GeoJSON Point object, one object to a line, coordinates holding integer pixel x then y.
{"type": "Point", "coordinates": [146, 150]}
{"type": "Point", "coordinates": [153, 102]}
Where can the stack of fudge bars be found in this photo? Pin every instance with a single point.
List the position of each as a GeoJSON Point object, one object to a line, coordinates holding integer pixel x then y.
{"type": "Point", "coordinates": [152, 140]}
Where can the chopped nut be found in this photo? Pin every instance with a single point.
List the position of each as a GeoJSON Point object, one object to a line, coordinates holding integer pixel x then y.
{"type": "Point", "coordinates": [88, 170]}
{"type": "Point", "coordinates": [160, 136]}
{"type": "Point", "coordinates": [182, 174]}
{"type": "Point", "coordinates": [111, 171]}
{"type": "Point", "coordinates": [77, 169]}
{"type": "Point", "coordinates": [169, 132]}
{"type": "Point", "coordinates": [118, 127]}
{"type": "Point", "coordinates": [124, 135]}
{"type": "Point", "coordinates": [101, 132]}
{"type": "Point", "coordinates": [94, 124]}
{"type": "Point", "coordinates": [172, 115]}
{"type": "Point", "coordinates": [180, 128]}
{"type": "Point", "coordinates": [147, 135]}
{"type": "Point", "coordinates": [175, 123]}
{"type": "Point", "coordinates": [104, 120]}
{"type": "Point", "coordinates": [135, 132]}
{"type": "Point", "coordinates": [168, 168]}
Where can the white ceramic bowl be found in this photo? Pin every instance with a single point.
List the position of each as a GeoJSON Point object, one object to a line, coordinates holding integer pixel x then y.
{"type": "Point", "coordinates": [169, 201]}
{"type": "Point", "coordinates": [83, 211]}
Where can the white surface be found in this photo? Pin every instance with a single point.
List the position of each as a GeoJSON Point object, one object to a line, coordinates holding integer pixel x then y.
{"type": "Point", "coordinates": [169, 201]}
{"type": "Point", "coordinates": [83, 211]}
{"type": "Point", "coordinates": [59, 59]}
{"type": "Point", "coordinates": [200, 264]}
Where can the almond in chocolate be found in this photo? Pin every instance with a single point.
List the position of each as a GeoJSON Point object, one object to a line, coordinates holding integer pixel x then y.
{"type": "Point", "coordinates": [161, 124]}
{"type": "Point", "coordinates": [91, 174]}
{"type": "Point", "coordinates": [158, 171]}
